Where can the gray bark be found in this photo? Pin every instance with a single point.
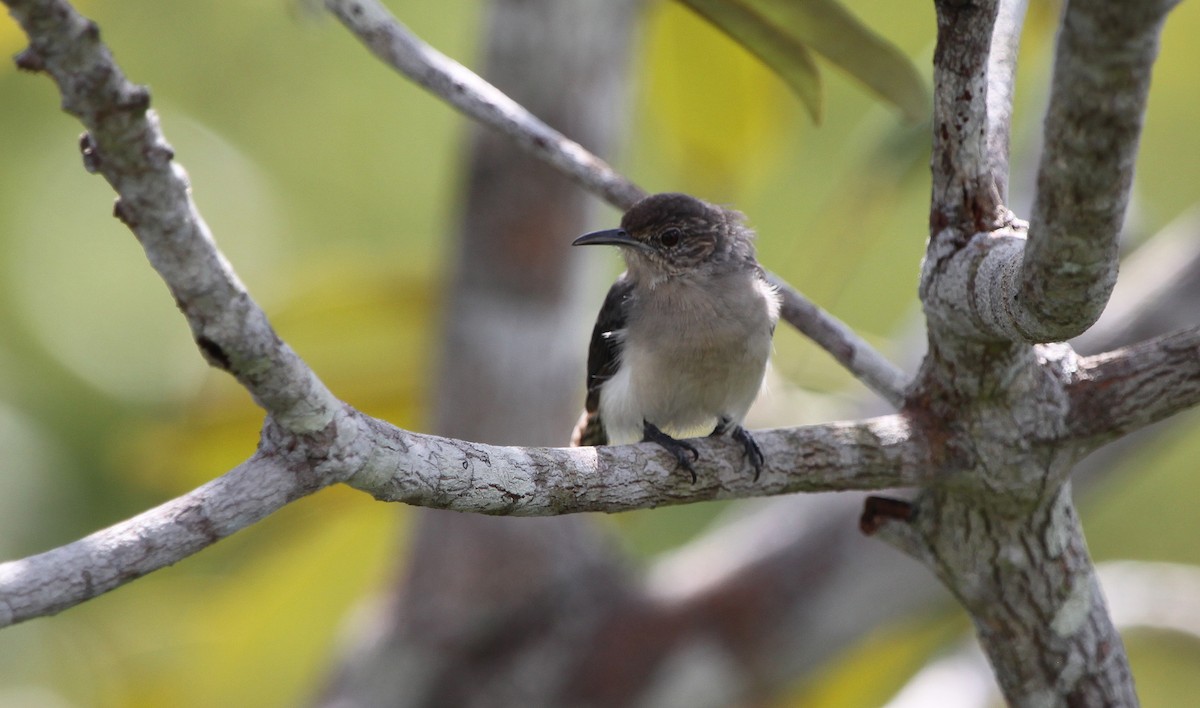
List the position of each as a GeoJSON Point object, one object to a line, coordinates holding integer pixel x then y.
{"type": "Point", "coordinates": [998, 526]}
{"type": "Point", "coordinates": [1097, 103]}
{"type": "Point", "coordinates": [981, 280]}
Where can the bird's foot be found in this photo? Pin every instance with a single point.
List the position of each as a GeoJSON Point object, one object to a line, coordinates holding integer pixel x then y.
{"type": "Point", "coordinates": [680, 449]}
{"type": "Point", "coordinates": [750, 447]}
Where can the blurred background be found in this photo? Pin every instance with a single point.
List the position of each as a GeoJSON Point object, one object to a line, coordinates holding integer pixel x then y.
{"type": "Point", "coordinates": [334, 187]}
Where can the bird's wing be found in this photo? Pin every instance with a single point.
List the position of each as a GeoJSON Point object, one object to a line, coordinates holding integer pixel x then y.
{"type": "Point", "coordinates": [603, 358]}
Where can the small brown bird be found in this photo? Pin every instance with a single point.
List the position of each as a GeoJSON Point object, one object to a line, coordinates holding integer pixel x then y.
{"type": "Point", "coordinates": [681, 343]}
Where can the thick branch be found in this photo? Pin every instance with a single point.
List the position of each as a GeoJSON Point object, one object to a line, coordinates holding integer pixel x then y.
{"type": "Point", "coordinates": [1031, 590]}
{"type": "Point", "coordinates": [1158, 292]}
{"type": "Point", "coordinates": [965, 196]}
{"type": "Point", "coordinates": [1121, 391]}
{"type": "Point", "coordinates": [125, 145]}
{"type": "Point", "coordinates": [973, 71]}
{"type": "Point", "coordinates": [1055, 287]}
{"type": "Point", "coordinates": [1158, 596]}
{"type": "Point", "coordinates": [1101, 79]}
{"type": "Point", "coordinates": [444, 473]}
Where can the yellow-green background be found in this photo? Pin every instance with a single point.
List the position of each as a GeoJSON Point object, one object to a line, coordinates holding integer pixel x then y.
{"type": "Point", "coordinates": [330, 183]}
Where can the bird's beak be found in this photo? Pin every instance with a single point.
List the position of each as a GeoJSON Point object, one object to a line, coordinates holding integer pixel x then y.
{"type": "Point", "coordinates": [608, 237]}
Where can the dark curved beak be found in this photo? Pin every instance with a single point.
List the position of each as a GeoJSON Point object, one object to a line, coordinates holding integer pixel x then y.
{"type": "Point", "coordinates": [608, 237]}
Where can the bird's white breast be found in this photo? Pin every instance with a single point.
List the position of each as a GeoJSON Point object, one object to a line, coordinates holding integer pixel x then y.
{"type": "Point", "coordinates": [690, 356]}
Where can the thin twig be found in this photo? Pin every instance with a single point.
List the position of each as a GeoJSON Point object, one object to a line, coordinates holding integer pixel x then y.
{"type": "Point", "coordinates": [50, 582]}
{"type": "Point", "coordinates": [400, 49]}
{"type": "Point", "coordinates": [1002, 73]}
{"type": "Point", "coordinates": [843, 344]}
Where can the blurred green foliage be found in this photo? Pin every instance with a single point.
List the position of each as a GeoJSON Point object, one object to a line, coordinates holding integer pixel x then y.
{"type": "Point", "coordinates": [330, 184]}
{"type": "Point", "coordinates": [784, 34]}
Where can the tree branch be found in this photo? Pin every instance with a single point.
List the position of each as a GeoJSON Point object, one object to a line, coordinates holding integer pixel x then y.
{"type": "Point", "coordinates": [1121, 391]}
{"type": "Point", "coordinates": [400, 49]}
{"type": "Point", "coordinates": [993, 286]}
{"type": "Point", "coordinates": [1001, 79]}
{"type": "Point", "coordinates": [965, 196]}
{"type": "Point", "coordinates": [125, 145]}
{"type": "Point", "coordinates": [1101, 79]}
{"type": "Point", "coordinates": [1004, 523]}
{"type": "Point", "coordinates": [444, 473]}
{"type": "Point", "coordinates": [843, 344]}
{"type": "Point", "coordinates": [51, 582]}
{"type": "Point", "coordinates": [963, 262]}
{"type": "Point", "coordinates": [1032, 593]}
{"type": "Point", "coordinates": [1160, 596]}
{"type": "Point", "coordinates": [1158, 293]}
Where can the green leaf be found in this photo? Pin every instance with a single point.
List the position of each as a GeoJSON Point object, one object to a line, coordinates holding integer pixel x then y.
{"type": "Point", "coordinates": [786, 56]}
{"type": "Point", "coordinates": [782, 31]}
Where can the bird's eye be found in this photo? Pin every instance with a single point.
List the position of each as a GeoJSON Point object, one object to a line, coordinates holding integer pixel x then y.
{"type": "Point", "coordinates": [670, 237]}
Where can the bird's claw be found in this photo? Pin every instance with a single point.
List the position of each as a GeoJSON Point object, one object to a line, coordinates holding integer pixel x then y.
{"type": "Point", "coordinates": [752, 451]}
{"type": "Point", "coordinates": [678, 448]}
{"type": "Point", "coordinates": [750, 447]}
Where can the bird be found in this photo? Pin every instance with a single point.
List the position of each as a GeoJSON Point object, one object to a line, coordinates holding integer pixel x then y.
{"type": "Point", "coordinates": [681, 343]}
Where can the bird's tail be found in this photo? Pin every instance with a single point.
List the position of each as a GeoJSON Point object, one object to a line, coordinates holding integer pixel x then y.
{"type": "Point", "coordinates": [589, 430]}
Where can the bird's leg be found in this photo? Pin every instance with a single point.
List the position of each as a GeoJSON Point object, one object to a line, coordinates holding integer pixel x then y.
{"type": "Point", "coordinates": [752, 451]}
{"type": "Point", "coordinates": [678, 448]}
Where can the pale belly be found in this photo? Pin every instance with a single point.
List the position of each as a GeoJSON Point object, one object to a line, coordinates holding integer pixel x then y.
{"type": "Point", "coordinates": [686, 390]}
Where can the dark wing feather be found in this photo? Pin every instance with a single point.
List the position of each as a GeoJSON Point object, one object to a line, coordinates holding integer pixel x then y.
{"type": "Point", "coordinates": [603, 358]}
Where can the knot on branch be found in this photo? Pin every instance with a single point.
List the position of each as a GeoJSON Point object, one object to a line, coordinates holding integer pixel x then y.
{"type": "Point", "coordinates": [124, 214]}
{"type": "Point", "coordinates": [30, 60]}
{"type": "Point", "coordinates": [91, 154]}
{"type": "Point", "coordinates": [213, 353]}
{"type": "Point", "coordinates": [329, 455]}
{"type": "Point", "coordinates": [134, 99]}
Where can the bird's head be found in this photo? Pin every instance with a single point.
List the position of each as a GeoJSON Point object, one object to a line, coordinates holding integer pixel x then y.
{"type": "Point", "coordinates": [671, 235]}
